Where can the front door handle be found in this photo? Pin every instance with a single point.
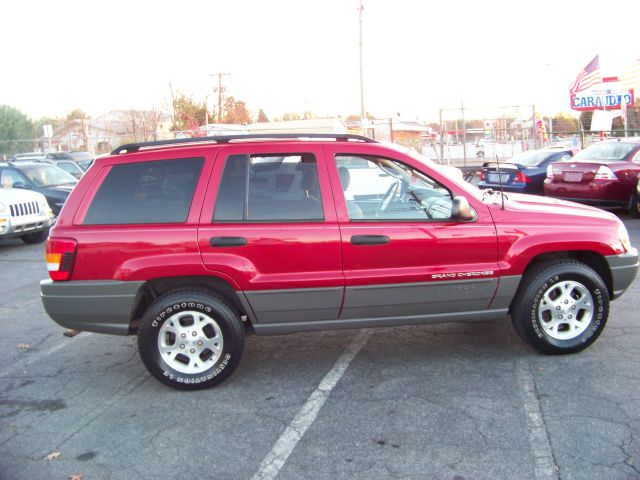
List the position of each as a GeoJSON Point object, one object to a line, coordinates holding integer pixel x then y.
{"type": "Point", "coordinates": [227, 241]}
{"type": "Point", "coordinates": [369, 240]}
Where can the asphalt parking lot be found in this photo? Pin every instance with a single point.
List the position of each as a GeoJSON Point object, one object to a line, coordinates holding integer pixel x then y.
{"type": "Point", "coordinates": [451, 401]}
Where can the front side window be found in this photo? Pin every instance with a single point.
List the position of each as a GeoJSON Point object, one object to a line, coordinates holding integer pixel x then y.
{"type": "Point", "coordinates": [259, 188]}
{"type": "Point", "coordinates": [383, 189]}
{"type": "Point", "coordinates": [9, 178]}
{"type": "Point", "coordinates": [146, 192]}
{"type": "Point", "coordinates": [44, 175]}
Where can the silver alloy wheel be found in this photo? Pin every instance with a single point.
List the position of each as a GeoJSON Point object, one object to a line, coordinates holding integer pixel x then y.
{"type": "Point", "coordinates": [566, 310]}
{"type": "Point", "coordinates": [190, 342]}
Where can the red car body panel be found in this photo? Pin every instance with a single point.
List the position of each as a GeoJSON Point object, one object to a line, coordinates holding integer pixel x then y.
{"type": "Point", "coordinates": [320, 254]}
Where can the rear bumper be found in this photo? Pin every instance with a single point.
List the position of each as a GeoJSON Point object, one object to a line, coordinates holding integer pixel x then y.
{"type": "Point", "coordinates": [623, 271]}
{"type": "Point", "coordinates": [103, 306]}
{"type": "Point", "coordinates": [608, 193]}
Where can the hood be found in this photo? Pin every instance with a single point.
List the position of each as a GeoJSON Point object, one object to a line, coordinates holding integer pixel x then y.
{"type": "Point", "coordinates": [61, 191]}
{"type": "Point", "coordinates": [539, 206]}
{"type": "Point", "coordinates": [19, 195]}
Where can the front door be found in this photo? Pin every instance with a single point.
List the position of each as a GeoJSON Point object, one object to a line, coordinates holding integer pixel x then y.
{"type": "Point", "coordinates": [403, 253]}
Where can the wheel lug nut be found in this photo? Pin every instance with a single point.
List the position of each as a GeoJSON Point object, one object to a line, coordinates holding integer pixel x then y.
{"type": "Point", "coordinates": [199, 342]}
{"type": "Point", "coordinates": [193, 350]}
{"type": "Point", "coordinates": [560, 317]}
{"type": "Point", "coordinates": [184, 335]}
{"type": "Point", "coordinates": [558, 307]}
{"type": "Point", "coordinates": [182, 346]}
{"type": "Point", "coordinates": [194, 334]}
{"type": "Point", "coordinates": [566, 302]}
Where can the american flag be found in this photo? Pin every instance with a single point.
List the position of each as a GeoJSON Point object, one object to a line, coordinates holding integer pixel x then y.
{"type": "Point", "coordinates": [588, 76]}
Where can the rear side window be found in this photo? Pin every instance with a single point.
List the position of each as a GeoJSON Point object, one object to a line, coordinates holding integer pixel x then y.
{"type": "Point", "coordinates": [258, 188]}
{"type": "Point", "coordinates": [146, 192]}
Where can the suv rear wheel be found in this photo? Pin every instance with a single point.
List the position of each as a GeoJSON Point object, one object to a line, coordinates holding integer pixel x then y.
{"type": "Point", "coordinates": [562, 307]}
{"type": "Point", "coordinates": [190, 340]}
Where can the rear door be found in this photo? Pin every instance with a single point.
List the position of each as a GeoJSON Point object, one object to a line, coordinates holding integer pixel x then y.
{"type": "Point", "coordinates": [269, 224]}
{"type": "Point", "coordinates": [404, 256]}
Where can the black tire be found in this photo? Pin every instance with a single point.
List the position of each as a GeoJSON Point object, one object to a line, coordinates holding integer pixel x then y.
{"type": "Point", "coordinates": [634, 208]}
{"type": "Point", "coordinates": [35, 237]}
{"type": "Point", "coordinates": [190, 365]}
{"type": "Point", "coordinates": [557, 295]}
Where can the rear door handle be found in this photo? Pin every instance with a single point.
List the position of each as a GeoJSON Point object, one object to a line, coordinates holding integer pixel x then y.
{"type": "Point", "coordinates": [369, 240]}
{"type": "Point", "coordinates": [227, 241]}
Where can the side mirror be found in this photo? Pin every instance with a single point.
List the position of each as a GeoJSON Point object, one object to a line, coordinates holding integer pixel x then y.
{"type": "Point", "coordinates": [19, 185]}
{"type": "Point", "coordinates": [461, 210]}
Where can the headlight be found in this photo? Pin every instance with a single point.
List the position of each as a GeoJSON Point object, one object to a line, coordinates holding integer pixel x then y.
{"type": "Point", "coordinates": [623, 236]}
{"type": "Point", "coordinates": [3, 208]}
{"type": "Point", "coordinates": [549, 171]}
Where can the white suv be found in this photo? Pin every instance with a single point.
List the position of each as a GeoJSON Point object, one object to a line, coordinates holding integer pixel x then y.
{"type": "Point", "coordinates": [24, 214]}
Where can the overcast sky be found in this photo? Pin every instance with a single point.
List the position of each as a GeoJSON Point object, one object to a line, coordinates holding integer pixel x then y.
{"type": "Point", "coordinates": [289, 55]}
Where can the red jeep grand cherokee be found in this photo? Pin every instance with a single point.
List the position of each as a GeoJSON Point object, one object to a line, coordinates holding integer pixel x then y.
{"type": "Point", "coordinates": [190, 244]}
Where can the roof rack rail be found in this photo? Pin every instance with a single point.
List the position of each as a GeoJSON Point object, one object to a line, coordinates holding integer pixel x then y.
{"type": "Point", "coordinates": [134, 147]}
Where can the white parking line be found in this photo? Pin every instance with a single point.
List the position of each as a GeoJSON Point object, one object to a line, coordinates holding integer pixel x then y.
{"type": "Point", "coordinates": [276, 458]}
{"type": "Point", "coordinates": [544, 463]}
{"type": "Point", "coordinates": [50, 351]}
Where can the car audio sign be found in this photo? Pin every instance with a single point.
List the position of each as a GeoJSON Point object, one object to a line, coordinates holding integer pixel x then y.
{"type": "Point", "coordinates": [610, 99]}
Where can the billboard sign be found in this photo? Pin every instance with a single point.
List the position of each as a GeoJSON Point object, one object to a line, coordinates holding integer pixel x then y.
{"type": "Point", "coordinates": [610, 99]}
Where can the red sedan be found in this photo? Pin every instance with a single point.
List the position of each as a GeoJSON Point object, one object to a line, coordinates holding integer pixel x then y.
{"type": "Point", "coordinates": [604, 174]}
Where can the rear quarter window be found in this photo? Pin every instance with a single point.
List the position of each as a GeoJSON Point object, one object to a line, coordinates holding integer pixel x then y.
{"type": "Point", "coordinates": [146, 192]}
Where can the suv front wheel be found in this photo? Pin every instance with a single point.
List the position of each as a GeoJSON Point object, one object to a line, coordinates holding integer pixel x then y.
{"type": "Point", "coordinates": [561, 307]}
{"type": "Point", "coordinates": [190, 340]}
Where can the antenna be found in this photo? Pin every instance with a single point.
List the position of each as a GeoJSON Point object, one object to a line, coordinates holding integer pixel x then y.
{"type": "Point", "coordinates": [500, 181]}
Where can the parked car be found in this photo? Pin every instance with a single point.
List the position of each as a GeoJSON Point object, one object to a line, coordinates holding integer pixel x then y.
{"type": "Point", "coordinates": [523, 173]}
{"type": "Point", "coordinates": [24, 214]}
{"type": "Point", "coordinates": [29, 156]}
{"type": "Point", "coordinates": [55, 184]}
{"type": "Point", "coordinates": [192, 243]}
{"type": "Point", "coordinates": [70, 166]}
{"type": "Point", "coordinates": [603, 174]}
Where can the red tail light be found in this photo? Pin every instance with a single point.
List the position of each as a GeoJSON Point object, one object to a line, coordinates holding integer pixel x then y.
{"type": "Point", "coordinates": [482, 177]}
{"type": "Point", "coordinates": [61, 253]}
{"type": "Point", "coordinates": [522, 178]}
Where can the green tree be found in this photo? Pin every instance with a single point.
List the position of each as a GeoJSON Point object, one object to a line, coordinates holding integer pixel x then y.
{"type": "Point", "coordinates": [563, 123]}
{"type": "Point", "coordinates": [16, 131]}
{"type": "Point", "coordinates": [188, 114]}
{"type": "Point", "coordinates": [77, 114]}
{"type": "Point", "coordinates": [55, 122]}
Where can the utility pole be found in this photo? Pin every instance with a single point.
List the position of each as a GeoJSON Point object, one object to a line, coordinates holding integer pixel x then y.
{"type": "Point", "coordinates": [362, 111]}
{"type": "Point", "coordinates": [220, 75]}
{"type": "Point", "coordinates": [464, 134]}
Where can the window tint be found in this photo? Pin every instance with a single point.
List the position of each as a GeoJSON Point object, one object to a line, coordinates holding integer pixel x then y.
{"type": "Point", "coordinates": [146, 192]}
{"type": "Point", "coordinates": [269, 188]}
{"type": "Point", "coordinates": [390, 190]}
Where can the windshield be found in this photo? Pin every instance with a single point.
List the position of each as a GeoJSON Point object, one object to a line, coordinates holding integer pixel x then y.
{"type": "Point", "coordinates": [47, 175]}
{"type": "Point", "coordinates": [604, 152]}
